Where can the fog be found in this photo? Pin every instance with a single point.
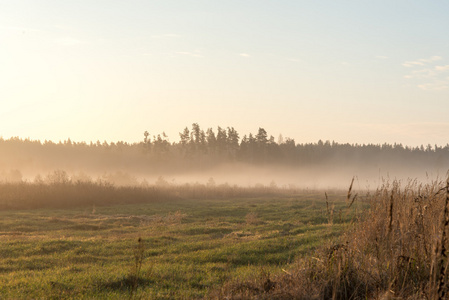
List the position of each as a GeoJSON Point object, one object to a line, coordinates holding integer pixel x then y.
{"type": "Point", "coordinates": [318, 177]}
{"type": "Point", "coordinates": [281, 165]}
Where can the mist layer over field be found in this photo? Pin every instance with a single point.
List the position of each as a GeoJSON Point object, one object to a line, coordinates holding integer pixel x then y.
{"type": "Point", "coordinates": [211, 159]}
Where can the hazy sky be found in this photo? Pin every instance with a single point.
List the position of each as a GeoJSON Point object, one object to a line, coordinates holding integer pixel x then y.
{"type": "Point", "coordinates": [349, 71]}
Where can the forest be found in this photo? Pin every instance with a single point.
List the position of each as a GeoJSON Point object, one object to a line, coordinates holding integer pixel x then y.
{"type": "Point", "coordinates": [213, 153]}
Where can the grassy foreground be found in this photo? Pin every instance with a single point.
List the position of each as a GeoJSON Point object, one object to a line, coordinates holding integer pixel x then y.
{"type": "Point", "coordinates": [398, 250]}
{"type": "Point", "coordinates": [178, 249]}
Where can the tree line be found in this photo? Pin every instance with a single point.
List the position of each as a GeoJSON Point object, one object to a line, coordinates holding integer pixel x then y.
{"type": "Point", "coordinates": [199, 148]}
{"type": "Point", "coordinates": [225, 144]}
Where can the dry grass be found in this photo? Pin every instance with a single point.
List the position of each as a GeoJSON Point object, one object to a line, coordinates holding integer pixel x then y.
{"type": "Point", "coordinates": [397, 250]}
{"type": "Point", "coordinates": [69, 194]}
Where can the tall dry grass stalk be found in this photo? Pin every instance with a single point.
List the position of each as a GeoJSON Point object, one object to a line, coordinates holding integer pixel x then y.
{"type": "Point", "coordinates": [134, 275]}
{"type": "Point", "coordinates": [396, 250]}
{"type": "Point", "coordinates": [442, 259]}
{"type": "Point", "coordinates": [329, 210]}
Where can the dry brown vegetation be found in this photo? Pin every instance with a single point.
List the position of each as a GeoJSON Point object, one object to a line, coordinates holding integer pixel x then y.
{"type": "Point", "coordinates": [59, 191]}
{"type": "Point", "coordinates": [397, 250]}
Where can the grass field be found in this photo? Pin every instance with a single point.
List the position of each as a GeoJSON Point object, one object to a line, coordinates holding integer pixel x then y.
{"type": "Point", "coordinates": [162, 250]}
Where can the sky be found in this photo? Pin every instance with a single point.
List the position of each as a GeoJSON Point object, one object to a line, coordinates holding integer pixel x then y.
{"type": "Point", "coordinates": [345, 71]}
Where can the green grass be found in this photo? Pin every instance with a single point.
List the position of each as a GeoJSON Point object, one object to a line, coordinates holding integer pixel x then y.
{"type": "Point", "coordinates": [190, 246]}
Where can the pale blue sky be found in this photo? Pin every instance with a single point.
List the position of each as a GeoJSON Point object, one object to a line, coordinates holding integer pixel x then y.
{"type": "Point", "coordinates": [349, 71]}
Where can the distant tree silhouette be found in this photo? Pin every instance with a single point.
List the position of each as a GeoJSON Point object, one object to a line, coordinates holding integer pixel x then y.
{"type": "Point", "coordinates": [146, 134]}
{"type": "Point", "coordinates": [232, 142]}
{"type": "Point", "coordinates": [197, 149]}
{"type": "Point", "coordinates": [211, 142]}
{"type": "Point", "coordinates": [222, 141]}
{"type": "Point", "coordinates": [261, 136]}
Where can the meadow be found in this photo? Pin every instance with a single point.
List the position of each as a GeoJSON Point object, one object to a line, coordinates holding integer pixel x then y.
{"type": "Point", "coordinates": [397, 250]}
{"type": "Point", "coordinates": [96, 241]}
{"type": "Point", "coordinates": [177, 248]}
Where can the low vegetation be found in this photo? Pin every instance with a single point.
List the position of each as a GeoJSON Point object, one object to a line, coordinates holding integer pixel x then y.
{"type": "Point", "coordinates": [397, 251]}
{"type": "Point", "coordinates": [391, 243]}
{"type": "Point", "coordinates": [58, 190]}
{"type": "Point", "coordinates": [159, 249]}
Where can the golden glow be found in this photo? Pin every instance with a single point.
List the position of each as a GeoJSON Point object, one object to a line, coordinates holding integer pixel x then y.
{"type": "Point", "coordinates": [93, 71]}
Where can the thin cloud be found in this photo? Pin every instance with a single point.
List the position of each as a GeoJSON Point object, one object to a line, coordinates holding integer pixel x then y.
{"type": "Point", "coordinates": [442, 68]}
{"type": "Point", "coordinates": [421, 62]}
{"type": "Point", "coordinates": [381, 57]}
{"type": "Point", "coordinates": [434, 86]}
{"type": "Point", "coordinates": [244, 55]}
{"type": "Point", "coordinates": [424, 73]}
{"type": "Point", "coordinates": [432, 78]}
{"type": "Point", "coordinates": [409, 64]}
